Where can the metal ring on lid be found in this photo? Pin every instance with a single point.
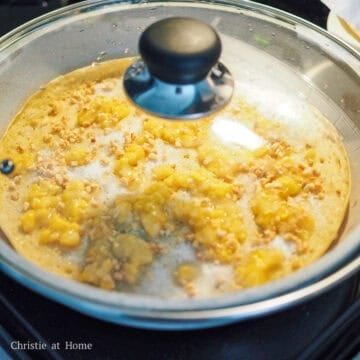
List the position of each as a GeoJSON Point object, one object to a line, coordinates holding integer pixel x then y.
{"type": "Point", "coordinates": [179, 76]}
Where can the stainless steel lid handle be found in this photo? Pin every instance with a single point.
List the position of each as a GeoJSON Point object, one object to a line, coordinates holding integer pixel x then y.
{"type": "Point", "coordinates": [180, 50]}
{"type": "Point", "coordinates": [179, 76]}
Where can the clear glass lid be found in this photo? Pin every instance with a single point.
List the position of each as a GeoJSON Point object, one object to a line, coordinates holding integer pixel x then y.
{"type": "Point", "coordinates": [281, 65]}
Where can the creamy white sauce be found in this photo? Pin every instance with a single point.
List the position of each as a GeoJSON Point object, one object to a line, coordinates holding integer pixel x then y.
{"type": "Point", "coordinates": [287, 247]}
{"type": "Point", "coordinates": [95, 170]}
{"type": "Point", "coordinates": [132, 124]}
{"type": "Point", "coordinates": [116, 136]}
{"type": "Point", "coordinates": [214, 278]}
{"type": "Point", "coordinates": [102, 174]}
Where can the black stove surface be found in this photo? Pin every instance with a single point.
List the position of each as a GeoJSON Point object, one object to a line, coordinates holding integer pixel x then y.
{"type": "Point", "coordinates": [305, 332]}
{"type": "Point", "coordinates": [296, 333]}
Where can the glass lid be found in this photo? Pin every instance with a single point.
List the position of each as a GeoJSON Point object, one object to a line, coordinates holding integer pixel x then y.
{"type": "Point", "coordinates": [252, 202]}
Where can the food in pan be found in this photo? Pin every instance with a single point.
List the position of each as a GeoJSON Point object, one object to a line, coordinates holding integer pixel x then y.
{"type": "Point", "coordinates": [111, 196]}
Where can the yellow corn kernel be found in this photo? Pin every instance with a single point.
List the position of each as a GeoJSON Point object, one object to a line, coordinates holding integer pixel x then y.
{"type": "Point", "coordinates": [76, 185]}
{"type": "Point", "coordinates": [52, 188]}
{"type": "Point", "coordinates": [77, 156]}
{"type": "Point", "coordinates": [179, 181]}
{"type": "Point", "coordinates": [215, 166]}
{"type": "Point", "coordinates": [307, 223]}
{"type": "Point", "coordinates": [44, 202]}
{"type": "Point", "coordinates": [206, 236]}
{"type": "Point", "coordinates": [70, 238]}
{"type": "Point", "coordinates": [224, 253]}
{"type": "Point", "coordinates": [122, 167]}
{"type": "Point", "coordinates": [134, 153]}
{"type": "Point", "coordinates": [152, 223]}
{"type": "Point", "coordinates": [150, 202]}
{"type": "Point", "coordinates": [289, 186]}
{"type": "Point", "coordinates": [131, 272]}
{"type": "Point", "coordinates": [28, 221]}
{"type": "Point", "coordinates": [199, 217]}
{"type": "Point", "coordinates": [105, 111]}
{"type": "Point", "coordinates": [120, 109]}
{"type": "Point", "coordinates": [310, 155]}
{"type": "Point", "coordinates": [132, 248]}
{"type": "Point", "coordinates": [43, 188]}
{"type": "Point", "coordinates": [305, 227]}
{"type": "Point", "coordinates": [43, 217]}
{"type": "Point", "coordinates": [163, 171]}
{"type": "Point", "coordinates": [267, 258]}
{"type": "Point", "coordinates": [75, 210]}
{"type": "Point", "coordinates": [237, 228]}
{"type": "Point", "coordinates": [203, 153]}
{"type": "Point", "coordinates": [201, 175]}
{"type": "Point", "coordinates": [47, 236]}
{"type": "Point", "coordinates": [260, 266]}
{"type": "Point", "coordinates": [169, 136]}
{"type": "Point", "coordinates": [186, 273]}
{"type": "Point", "coordinates": [153, 126]}
{"type": "Point", "coordinates": [216, 189]}
{"type": "Point", "coordinates": [131, 158]}
{"type": "Point", "coordinates": [123, 210]}
{"type": "Point", "coordinates": [75, 189]}
{"type": "Point", "coordinates": [35, 202]}
{"type": "Point", "coordinates": [140, 140]}
{"type": "Point", "coordinates": [265, 208]}
{"type": "Point", "coordinates": [58, 223]}
{"type": "Point", "coordinates": [261, 151]}
{"type": "Point", "coordinates": [134, 181]}
{"type": "Point", "coordinates": [134, 252]}
{"type": "Point", "coordinates": [36, 192]}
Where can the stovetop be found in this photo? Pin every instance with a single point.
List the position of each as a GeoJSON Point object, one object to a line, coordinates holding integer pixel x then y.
{"type": "Point", "coordinates": [51, 331]}
{"type": "Point", "coordinates": [307, 331]}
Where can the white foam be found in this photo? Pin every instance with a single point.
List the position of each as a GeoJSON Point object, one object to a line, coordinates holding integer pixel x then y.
{"type": "Point", "coordinates": [132, 124]}
{"type": "Point", "coordinates": [160, 281]}
{"type": "Point", "coordinates": [287, 247]}
{"type": "Point", "coordinates": [213, 279]}
{"type": "Point", "coordinates": [92, 171]}
{"type": "Point", "coordinates": [116, 136]}
{"type": "Point", "coordinates": [111, 188]}
{"type": "Point", "coordinates": [102, 174]}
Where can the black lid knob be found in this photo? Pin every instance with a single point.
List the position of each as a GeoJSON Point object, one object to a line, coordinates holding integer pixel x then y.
{"type": "Point", "coordinates": [183, 53]}
{"type": "Point", "coordinates": [180, 50]}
